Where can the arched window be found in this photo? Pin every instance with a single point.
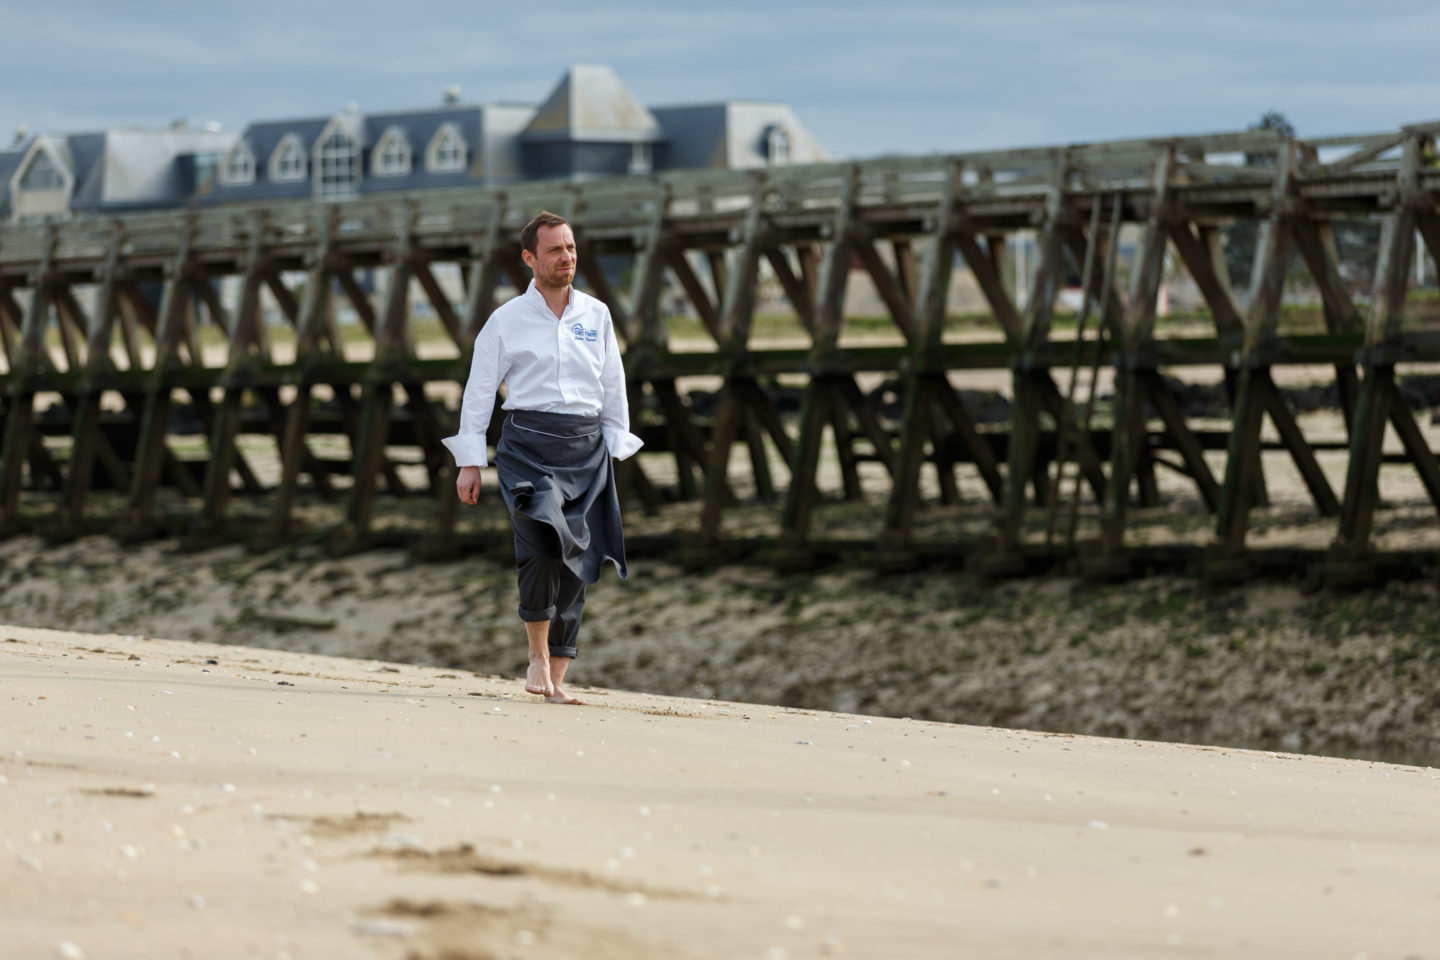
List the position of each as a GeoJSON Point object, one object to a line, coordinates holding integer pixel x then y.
{"type": "Point", "coordinates": [392, 157]}
{"type": "Point", "coordinates": [239, 167]}
{"type": "Point", "coordinates": [777, 145]}
{"type": "Point", "coordinates": [447, 152]}
{"type": "Point", "coordinates": [287, 163]}
{"type": "Point", "coordinates": [42, 174]}
{"type": "Point", "coordinates": [337, 165]}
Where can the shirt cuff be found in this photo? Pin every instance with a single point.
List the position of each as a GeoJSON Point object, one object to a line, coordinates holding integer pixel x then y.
{"type": "Point", "coordinates": [621, 444]}
{"type": "Point", "coordinates": [468, 449]}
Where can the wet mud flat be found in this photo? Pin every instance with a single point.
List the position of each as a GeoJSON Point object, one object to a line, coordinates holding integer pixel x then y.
{"type": "Point", "coordinates": [1267, 665]}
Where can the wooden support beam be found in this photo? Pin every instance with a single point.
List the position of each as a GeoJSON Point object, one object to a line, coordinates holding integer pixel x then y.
{"type": "Point", "coordinates": [1243, 469]}
{"type": "Point", "coordinates": [991, 285]}
{"type": "Point", "coordinates": [905, 271]}
{"type": "Point", "coordinates": [923, 383]}
{"type": "Point", "coordinates": [1316, 242]}
{"type": "Point", "coordinates": [736, 313]}
{"type": "Point", "coordinates": [484, 277]}
{"type": "Point", "coordinates": [224, 430]}
{"type": "Point", "coordinates": [981, 450]}
{"type": "Point", "coordinates": [284, 298]}
{"type": "Point", "coordinates": [1196, 256]}
{"type": "Point", "coordinates": [897, 539]}
{"type": "Point", "coordinates": [358, 299]}
{"type": "Point", "coordinates": [1191, 452]}
{"type": "Point", "coordinates": [443, 308]}
{"type": "Point", "coordinates": [694, 289]}
{"type": "Point", "coordinates": [293, 455]}
{"type": "Point", "coordinates": [1301, 453]}
{"type": "Point", "coordinates": [844, 449]}
{"type": "Point", "coordinates": [796, 290]}
{"type": "Point", "coordinates": [31, 359]}
{"type": "Point", "coordinates": [1029, 380]}
{"type": "Point", "coordinates": [1128, 437]}
{"type": "Point", "coordinates": [891, 293]}
{"type": "Point", "coordinates": [848, 397]}
{"type": "Point", "coordinates": [1416, 446]}
{"type": "Point", "coordinates": [70, 323]}
{"type": "Point", "coordinates": [370, 435]}
{"type": "Point", "coordinates": [737, 308]}
{"type": "Point", "coordinates": [729, 420]}
{"type": "Point", "coordinates": [311, 324]}
{"type": "Point", "coordinates": [1377, 389]}
{"type": "Point", "coordinates": [719, 273]}
{"type": "Point", "coordinates": [378, 399]}
{"type": "Point", "coordinates": [815, 409]}
{"type": "Point", "coordinates": [759, 457]}
{"type": "Point", "coordinates": [86, 440]}
{"type": "Point", "coordinates": [647, 323]}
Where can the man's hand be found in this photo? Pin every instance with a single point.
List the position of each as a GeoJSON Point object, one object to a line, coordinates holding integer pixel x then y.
{"type": "Point", "coordinates": [467, 485]}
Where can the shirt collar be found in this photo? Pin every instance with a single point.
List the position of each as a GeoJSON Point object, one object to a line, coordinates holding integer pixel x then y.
{"type": "Point", "coordinates": [534, 291]}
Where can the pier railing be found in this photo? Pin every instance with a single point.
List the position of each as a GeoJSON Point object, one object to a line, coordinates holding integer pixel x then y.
{"type": "Point", "coordinates": [109, 324]}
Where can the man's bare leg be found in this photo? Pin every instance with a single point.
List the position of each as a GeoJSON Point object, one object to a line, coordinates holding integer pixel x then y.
{"type": "Point", "coordinates": [558, 666]}
{"type": "Point", "coordinates": [537, 677]}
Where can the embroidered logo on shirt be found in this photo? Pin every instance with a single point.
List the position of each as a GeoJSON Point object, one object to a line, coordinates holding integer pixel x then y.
{"type": "Point", "coordinates": [582, 335]}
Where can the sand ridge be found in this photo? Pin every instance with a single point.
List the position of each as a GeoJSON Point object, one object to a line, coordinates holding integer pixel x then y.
{"type": "Point", "coordinates": [174, 799]}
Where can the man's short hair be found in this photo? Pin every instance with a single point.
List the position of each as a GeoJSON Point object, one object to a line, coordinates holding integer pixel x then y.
{"type": "Point", "coordinates": [531, 231]}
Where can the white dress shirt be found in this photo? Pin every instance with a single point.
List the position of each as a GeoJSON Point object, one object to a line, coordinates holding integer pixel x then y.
{"type": "Point", "coordinates": [565, 365]}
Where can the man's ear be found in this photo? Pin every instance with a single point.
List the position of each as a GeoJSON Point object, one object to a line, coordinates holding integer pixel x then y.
{"type": "Point", "coordinates": [529, 258]}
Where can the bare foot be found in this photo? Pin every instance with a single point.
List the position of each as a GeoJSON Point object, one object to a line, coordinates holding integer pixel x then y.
{"type": "Point", "coordinates": [537, 678]}
{"type": "Point", "coordinates": [558, 666]}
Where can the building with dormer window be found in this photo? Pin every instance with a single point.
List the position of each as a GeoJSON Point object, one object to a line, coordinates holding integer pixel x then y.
{"type": "Point", "coordinates": [589, 126]}
{"type": "Point", "coordinates": [55, 177]}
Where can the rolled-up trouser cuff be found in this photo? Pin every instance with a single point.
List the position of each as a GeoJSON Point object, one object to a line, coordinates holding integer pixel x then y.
{"type": "Point", "coordinates": [559, 650]}
{"type": "Point", "coordinates": [536, 615]}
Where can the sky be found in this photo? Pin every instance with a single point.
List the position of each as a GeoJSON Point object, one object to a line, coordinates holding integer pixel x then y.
{"type": "Point", "coordinates": [867, 79]}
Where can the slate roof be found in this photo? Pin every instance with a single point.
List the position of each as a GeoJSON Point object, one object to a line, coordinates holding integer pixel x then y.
{"type": "Point", "coordinates": [580, 131]}
{"type": "Point", "coordinates": [591, 104]}
{"type": "Point", "coordinates": [420, 127]}
{"type": "Point", "coordinates": [9, 163]}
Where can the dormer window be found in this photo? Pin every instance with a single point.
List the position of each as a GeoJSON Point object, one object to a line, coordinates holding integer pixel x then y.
{"type": "Point", "coordinates": [337, 163]}
{"type": "Point", "coordinates": [238, 169]}
{"type": "Point", "coordinates": [777, 145]}
{"type": "Point", "coordinates": [392, 154]}
{"type": "Point", "coordinates": [43, 174]}
{"type": "Point", "coordinates": [287, 163]}
{"type": "Point", "coordinates": [40, 186]}
{"type": "Point", "coordinates": [447, 152]}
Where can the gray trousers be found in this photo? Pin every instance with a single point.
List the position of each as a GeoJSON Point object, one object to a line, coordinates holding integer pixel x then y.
{"type": "Point", "coordinates": [559, 486]}
{"type": "Point", "coordinates": [548, 590]}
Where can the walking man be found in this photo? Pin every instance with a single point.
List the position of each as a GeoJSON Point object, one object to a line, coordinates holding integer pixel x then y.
{"type": "Point", "coordinates": [566, 419]}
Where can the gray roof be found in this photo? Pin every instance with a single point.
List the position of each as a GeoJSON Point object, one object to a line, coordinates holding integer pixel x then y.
{"type": "Point", "coordinates": [591, 104]}
{"type": "Point", "coordinates": [420, 127]}
{"type": "Point", "coordinates": [695, 137]}
{"type": "Point", "coordinates": [87, 165]}
{"type": "Point", "coordinates": [9, 163]}
{"type": "Point", "coordinates": [730, 135]}
{"type": "Point", "coordinates": [262, 139]}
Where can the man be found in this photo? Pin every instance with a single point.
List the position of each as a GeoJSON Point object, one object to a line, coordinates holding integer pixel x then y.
{"type": "Point", "coordinates": [554, 349]}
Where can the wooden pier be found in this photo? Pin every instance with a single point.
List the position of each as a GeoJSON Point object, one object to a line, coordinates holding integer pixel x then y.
{"type": "Point", "coordinates": [111, 324]}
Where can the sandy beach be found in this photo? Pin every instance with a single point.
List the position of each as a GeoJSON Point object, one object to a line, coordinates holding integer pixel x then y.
{"type": "Point", "coordinates": [184, 799]}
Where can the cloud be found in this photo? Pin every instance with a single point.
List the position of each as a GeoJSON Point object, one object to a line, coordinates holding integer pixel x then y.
{"type": "Point", "coordinates": [910, 76]}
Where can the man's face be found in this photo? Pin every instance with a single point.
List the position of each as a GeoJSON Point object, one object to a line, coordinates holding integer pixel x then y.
{"type": "Point", "coordinates": [553, 261]}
